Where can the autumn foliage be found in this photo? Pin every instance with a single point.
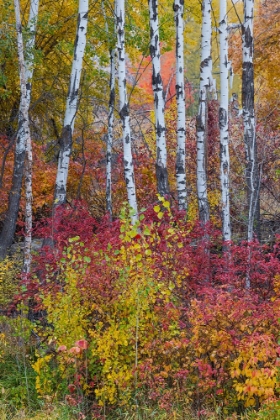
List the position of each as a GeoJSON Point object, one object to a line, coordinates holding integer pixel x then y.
{"type": "Point", "coordinates": [140, 313]}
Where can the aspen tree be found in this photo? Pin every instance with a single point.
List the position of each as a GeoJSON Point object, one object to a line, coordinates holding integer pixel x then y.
{"type": "Point", "coordinates": [223, 121]}
{"type": "Point", "coordinates": [23, 133]}
{"type": "Point", "coordinates": [201, 125]}
{"type": "Point", "coordinates": [252, 170]}
{"type": "Point", "coordinates": [124, 109]}
{"type": "Point", "coordinates": [110, 134]}
{"type": "Point", "coordinates": [71, 105]}
{"type": "Point", "coordinates": [109, 137]}
{"type": "Point", "coordinates": [161, 158]}
{"type": "Point", "coordinates": [180, 167]}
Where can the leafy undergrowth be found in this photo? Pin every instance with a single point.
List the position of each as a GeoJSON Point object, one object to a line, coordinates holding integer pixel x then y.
{"type": "Point", "coordinates": [150, 321]}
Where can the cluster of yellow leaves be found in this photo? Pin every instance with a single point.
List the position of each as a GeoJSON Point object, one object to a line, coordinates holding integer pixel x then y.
{"type": "Point", "coordinates": [9, 270]}
{"type": "Point", "coordinates": [254, 371]}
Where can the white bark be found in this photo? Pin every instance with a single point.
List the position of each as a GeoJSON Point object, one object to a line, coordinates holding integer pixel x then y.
{"type": "Point", "coordinates": [223, 121]}
{"type": "Point", "coordinates": [161, 160]}
{"type": "Point", "coordinates": [181, 108]}
{"type": "Point", "coordinates": [252, 170]}
{"type": "Point", "coordinates": [110, 135]}
{"type": "Point", "coordinates": [71, 105]}
{"type": "Point", "coordinates": [25, 134]}
{"type": "Point", "coordinates": [110, 132]}
{"type": "Point", "coordinates": [252, 176]}
{"type": "Point", "coordinates": [205, 86]}
{"type": "Point", "coordinates": [124, 110]}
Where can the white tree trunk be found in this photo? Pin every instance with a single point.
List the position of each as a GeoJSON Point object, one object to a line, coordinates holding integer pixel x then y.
{"type": "Point", "coordinates": [110, 135]}
{"type": "Point", "coordinates": [161, 160]}
{"type": "Point", "coordinates": [201, 129]}
{"type": "Point", "coordinates": [110, 132]}
{"type": "Point", "coordinates": [71, 105]}
{"type": "Point", "coordinates": [252, 175]}
{"type": "Point", "coordinates": [124, 110]}
{"type": "Point", "coordinates": [25, 133]}
{"type": "Point", "coordinates": [181, 108]}
{"type": "Point", "coordinates": [9, 226]}
{"type": "Point", "coordinates": [223, 121]}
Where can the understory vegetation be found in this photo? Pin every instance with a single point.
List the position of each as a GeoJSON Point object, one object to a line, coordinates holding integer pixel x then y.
{"type": "Point", "coordinates": [137, 322]}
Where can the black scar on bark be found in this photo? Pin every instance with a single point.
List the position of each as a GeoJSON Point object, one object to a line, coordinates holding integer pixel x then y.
{"type": "Point", "coordinates": [65, 140]}
{"type": "Point", "coordinates": [160, 129]}
{"type": "Point", "coordinates": [248, 87]}
{"type": "Point", "coordinates": [175, 8]}
{"type": "Point", "coordinates": [205, 63]}
{"type": "Point", "coordinates": [85, 15]}
{"type": "Point", "coordinates": [77, 37]}
{"type": "Point", "coordinates": [222, 118]}
{"type": "Point", "coordinates": [127, 139]}
{"type": "Point", "coordinates": [248, 39]}
{"type": "Point", "coordinates": [72, 94]}
{"type": "Point", "coordinates": [179, 167]}
{"type": "Point", "coordinates": [156, 79]}
{"type": "Point", "coordinates": [154, 9]}
{"type": "Point", "coordinates": [112, 97]}
{"type": "Point", "coordinates": [28, 86]}
{"type": "Point", "coordinates": [199, 124]}
{"type": "Point", "coordinates": [162, 180]}
{"type": "Point", "coordinates": [119, 19]}
{"type": "Point", "coordinates": [124, 112]}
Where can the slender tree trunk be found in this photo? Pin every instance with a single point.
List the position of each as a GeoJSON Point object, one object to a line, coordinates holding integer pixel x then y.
{"type": "Point", "coordinates": [71, 105]}
{"type": "Point", "coordinates": [124, 110]}
{"type": "Point", "coordinates": [181, 108]}
{"type": "Point", "coordinates": [201, 126]}
{"type": "Point", "coordinates": [110, 135]}
{"type": "Point", "coordinates": [25, 133]}
{"type": "Point", "coordinates": [252, 171]}
{"type": "Point", "coordinates": [9, 227]}
{"type": "Point", "coordinates": [110, 132]}
{"type": "Point", "coordinates": [223, 121]}
{"type": "Point", "coordinates": [161, 160]}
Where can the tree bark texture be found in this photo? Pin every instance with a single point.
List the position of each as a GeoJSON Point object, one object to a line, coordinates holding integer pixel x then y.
{"type": "Point", "coordinates": [25, 133]}
{"type": "Point", "coordinates": [252, 169]}
{"type": "Point", "coordinates": [124, 110]}
{"type": "Point", "coordinates": [180, 166]}
{"type": "Point", "coordinates": [9, 226]}
{"type": "Point", "coordinates": [201, 126]}
{"type": "Point", "coordinates": [110, 135]}
{"type": "Point", "coordinates": [159, 103]}
{"type": "Point", "coordinates": [71, 105]}
{"type": "Point", "coordinates": [223, 121]}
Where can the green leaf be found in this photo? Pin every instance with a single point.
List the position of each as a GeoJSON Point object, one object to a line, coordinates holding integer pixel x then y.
{"type": "Point", "coordinates": [87, 259]}
{"type": "Point", "coordinates": [74, 239]}
{"type": "Point", "coordinates": [146, 231]}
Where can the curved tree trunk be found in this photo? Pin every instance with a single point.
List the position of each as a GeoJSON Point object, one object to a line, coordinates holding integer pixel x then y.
{"type": "Point", "coordinates": [223, 121]}
{"type": "Point", "coordinates": [71, 105]}
{"type": "Point", "coordinates": [181, 108]}
{"type": "Point", "coordinates": [9, 226]}
{"type": "Point", "coordinates": [161, 160]}
{"type": "Point", "coordinates": [201, 126]}
{"type": "Point", "coordinates": [124, 110]}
